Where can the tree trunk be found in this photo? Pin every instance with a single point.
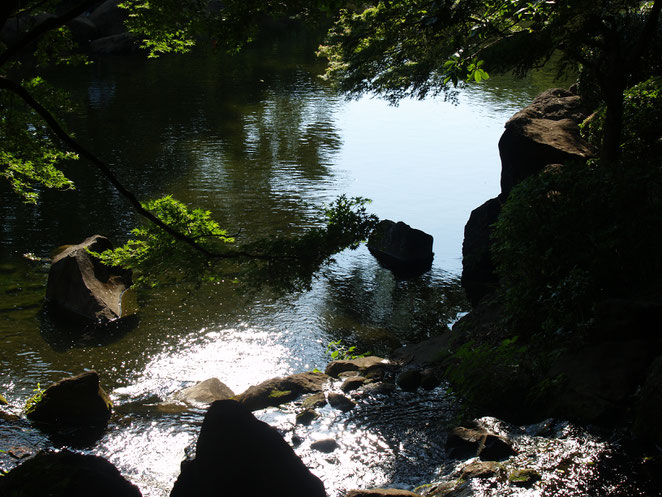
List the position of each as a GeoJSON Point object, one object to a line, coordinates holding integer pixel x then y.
{"type": "Point", "coordinates": [613, 125]}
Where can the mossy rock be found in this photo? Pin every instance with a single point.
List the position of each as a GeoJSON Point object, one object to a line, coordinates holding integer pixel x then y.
{"type": "Point", "coordinates": [524, 477]}
{"type": "Point", "coordinates": [3, 401]}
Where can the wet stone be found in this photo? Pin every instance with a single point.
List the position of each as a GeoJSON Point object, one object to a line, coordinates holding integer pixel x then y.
{"type": "Point", "coordinates": [327, 445]}
{"type": "Point", "coordinates": [379, 388]}
{"type": "Point", "coordinates": [353, 383]}
{"type": "Point", "coordinates": [314, 401]}
{"type": "Point", "coordinates": [339, 401]}
{"type": "Point", "coordinates": [524, 477]}
{"type": "Point", "coordinates": [480, 469]}
{"type": "Point", "coordinates": [306, 417]}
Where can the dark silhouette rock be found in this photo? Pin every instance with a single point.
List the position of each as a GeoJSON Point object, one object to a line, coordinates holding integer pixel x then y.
{"type": "Point", "coordinates": [339, 401]}
{"type": "Point", "coordinates": [66, 474]}
{"type": "Point", "coordinates": [409, 380]}
{"type": "Point", "coordinates": [401, 248]}
{"type": "Point", "coordinates": [236, 454]}
{"type": "Point", "coordinates": [545, 132]}
{"type": "Point", "coordinates": [278, 391]}
{"type": "Point", "coordinates": [430, 379]}
{"type": "Point", "coordinates": [81, 284]}
{"type": "Point", "coordinates": [205, 392]}
{"type": "Point", "coordinates": [478, 271]}
{"type": "Point", "coordinates": [75, 401]}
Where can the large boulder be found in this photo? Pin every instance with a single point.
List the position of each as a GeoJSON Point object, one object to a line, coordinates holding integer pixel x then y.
{"type": "Point", "coordinates": [75, 401]}
{"type": "Point", "coordinates": [545, 132]}
{"type": "Point", "coordinates": [66, 474]}
{"type": "Point", "coordinates": [478, 272]}
{"type": "Point", "coordinates": [401, 248]}
{"type": "Point", "coordinates": [236, 454]}
{"type": "Point", "coordinates": [277, 391]}
{"type": "Point", "coordinates": [81, 284]}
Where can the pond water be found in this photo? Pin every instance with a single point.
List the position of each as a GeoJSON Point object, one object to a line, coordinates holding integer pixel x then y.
{"type": "Point", "coordinates": [259, 140]}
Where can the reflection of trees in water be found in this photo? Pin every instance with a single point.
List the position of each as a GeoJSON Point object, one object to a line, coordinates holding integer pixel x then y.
{"type": "Point", "coordinates": [246, 136]}
{"type": "Point", "coordinates": [368, 306]}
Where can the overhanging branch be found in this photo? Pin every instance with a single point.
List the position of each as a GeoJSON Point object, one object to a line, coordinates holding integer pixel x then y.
{"type": "Point", "coordinates": [105, 169]}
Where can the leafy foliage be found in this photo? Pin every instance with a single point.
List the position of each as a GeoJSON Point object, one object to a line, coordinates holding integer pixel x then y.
{"type": "Point", "coordinates": [341, 352]}
{"type": "Point", "coordinates": [283, 262]}
{"type": "Point", "coordinates": [29, 158]}
{"type": "Point", "coordinates": [33, 401]}
{"type": "Point", "coordinates": [159, 257]}
{"type": "Point", "coordinates": [575, 235]}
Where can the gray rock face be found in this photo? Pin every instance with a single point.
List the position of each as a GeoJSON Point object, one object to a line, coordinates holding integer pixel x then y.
{"type": "Point", "coordinates": [81, 284]}
{"type": "Point", "coordinates": [236, 454]}
{"type": "Point", "coordinates": [66, 474]}
{"type": "Point", "coordinates": [75, 401]}
{"type": "Point", "coordinates": [401, 248]}
{"type": "Point", "coordinates": [545, 132]}
{"type": "Point", "coordinates": [478, 271]}
{"type": "Point", "coordinates": [205, 392]}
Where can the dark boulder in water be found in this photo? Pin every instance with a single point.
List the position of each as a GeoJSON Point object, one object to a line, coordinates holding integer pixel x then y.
{"type": "Point", "coordinates": [236, 454]}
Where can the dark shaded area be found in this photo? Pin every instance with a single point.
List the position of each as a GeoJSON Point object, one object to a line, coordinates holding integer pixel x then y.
{"type": "Point", "coordinates": [66, 474]}
{"type": "Point", "coordinates": [236, 452]}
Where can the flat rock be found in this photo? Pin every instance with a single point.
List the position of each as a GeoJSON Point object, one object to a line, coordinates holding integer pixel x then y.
{"type": "Point", "coordinates": [361, 364]}
{"type": "Point", "coordinates": [278, 391]}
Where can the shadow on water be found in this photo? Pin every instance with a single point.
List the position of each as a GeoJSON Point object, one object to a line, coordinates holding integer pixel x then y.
{"type": "Point", "coordinates": [64, 331]}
